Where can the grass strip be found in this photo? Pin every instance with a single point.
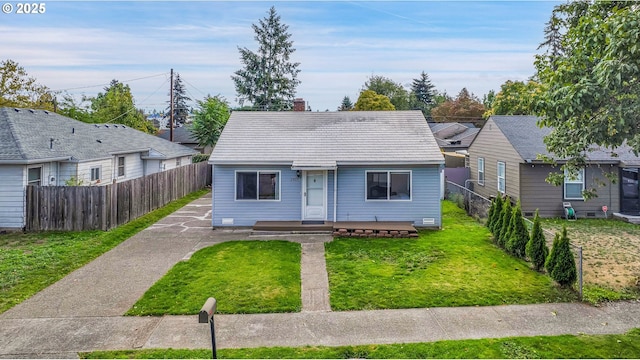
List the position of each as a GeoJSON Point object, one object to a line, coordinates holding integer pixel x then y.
{"type": "Point", "coordinates": [456, 266]}
{"type": "Point", "coordinates": [243, 276]}
{"type": "Point", "coordinates": [622, 346]}
{"type": "Point", "coordinates": [29, 262]}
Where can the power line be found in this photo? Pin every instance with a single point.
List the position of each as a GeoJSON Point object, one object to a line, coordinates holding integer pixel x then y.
{"type": "Point", "coordinates": [124, 81]}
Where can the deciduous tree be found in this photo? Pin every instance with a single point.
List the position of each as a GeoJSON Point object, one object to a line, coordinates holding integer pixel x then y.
{"type": "Point", "coordinates": [515, 98]}
{"type": "Point", "coordinates": [18, 89]}
{"type": "Point", "coordinates": [590, 75]}
{"type": "Point", "coordinates": [465, 107]}
{"type": "Point", "coordinates": [116, 105]}
{"type": "Point", "coordinates": [268, 79]}
{"type": "Point", "coordinates": [396, 93]}
{"type": "Point", "coordinates": [371, 101]}
{"type": "Point", "coordinates": [210, 117]}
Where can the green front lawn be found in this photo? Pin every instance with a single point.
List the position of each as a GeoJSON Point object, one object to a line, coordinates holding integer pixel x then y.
{"type": "Point", "coordinates": [625, 346]}
{"type": "Point", "coordinates": [30, 262]}
{"type": "Point", "coordinates": [455, 266]}
{"type": "Point", "coordinates": [243, 276]}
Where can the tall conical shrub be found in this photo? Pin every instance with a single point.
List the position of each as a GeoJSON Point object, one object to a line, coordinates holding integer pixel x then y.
{"type": "Point", "coordinates": [505, 230]}
{"type": "Point", "coordinates": [497, 213]}
{"type": "Point", "coordinates": [517, 243]}
{"type": "Point", "coordinates": [562, 268]}
{"type": "Point", "coordinates": [537, 249]}
{"type": "Point", "coordinates": [491, 214]}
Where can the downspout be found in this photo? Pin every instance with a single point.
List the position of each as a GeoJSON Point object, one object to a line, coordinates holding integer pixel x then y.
{"type": "Point", "coordinates": [335, 194]}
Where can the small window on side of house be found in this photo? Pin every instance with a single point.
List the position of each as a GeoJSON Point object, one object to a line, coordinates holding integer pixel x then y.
{"type": "Point", "coordinates": [121, 166]}
{"type": "Point", "coordinates": [95, 173]}
{"type": "Point", "coordinates": [177, 162]}
{"type": "Point", "coordinates": [573, 187]}
{"type": "Point", "coordinates": [480, 171]}
{"type": "Point", "coordinates": [34, 176]}
{"type": "Point", "coordinates": [501, 177]}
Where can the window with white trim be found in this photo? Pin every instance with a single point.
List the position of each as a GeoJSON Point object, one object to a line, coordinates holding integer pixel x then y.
{"type": "Point", "coordinates": [95, 173]}
{"type": "Point", "coordinates": [120, 166]}
{"type": "Point", "coordinates": [573, 187]}
{"type": "Point", "coordinates": [501, 177]}
{"type": "Point", "coordinates": [34, 176]}
{"type": "Point", "coordinates": [257, 185]}
{"type": "Point", "coordinates": [388, 185]}
{"type": "Point", "coordinates": [480, 171]}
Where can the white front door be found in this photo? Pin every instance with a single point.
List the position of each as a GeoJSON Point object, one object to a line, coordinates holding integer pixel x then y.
{"type": "Point", "coordinates": [314, 195]}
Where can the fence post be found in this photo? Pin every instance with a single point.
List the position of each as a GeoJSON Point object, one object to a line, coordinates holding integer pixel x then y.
{"type": "Point", "coordinates": [114, 204]}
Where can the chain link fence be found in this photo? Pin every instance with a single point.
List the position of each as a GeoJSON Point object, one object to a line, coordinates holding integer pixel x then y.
{"type": "Point", "coordinates": [477, 206]}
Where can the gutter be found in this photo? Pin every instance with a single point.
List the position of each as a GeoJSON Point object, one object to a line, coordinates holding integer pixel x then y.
{"type": "Point", "coordinates": [33, 161]}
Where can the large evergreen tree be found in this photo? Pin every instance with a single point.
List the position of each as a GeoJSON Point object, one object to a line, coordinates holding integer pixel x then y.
{"type": "Point", "coordinates": [423, 94]}
{"type": "Point", "coordinates": [537, 249]}
{"type": "Point", "coordinates": [268, 79]}
{"type": "Point", "coordinates": [346, 104]}
{"type": "Point", "coordinates": [181, 109]}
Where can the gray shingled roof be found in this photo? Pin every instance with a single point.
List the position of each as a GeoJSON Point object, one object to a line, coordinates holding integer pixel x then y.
{"type": "Point", "coordinates": [34, 135]}
{"type": "Point", "coordinates": [345, 137]}
{"type": "Point", "coordinates": [181, 135]}
{"type": "Point", "coordinates": [527, 138]}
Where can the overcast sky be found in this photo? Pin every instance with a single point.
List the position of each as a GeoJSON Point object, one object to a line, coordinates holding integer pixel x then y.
{"type": "Point", "coordinates": [79, 46]}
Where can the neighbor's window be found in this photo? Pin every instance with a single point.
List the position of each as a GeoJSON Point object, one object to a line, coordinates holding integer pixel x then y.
{"type": "Point", "coordinates": [121, 166]}
{"type": "Point", "coordinates": [35, 176]}
{"type": "Point", "coordinates": [573, 187]}
{"type": "Point", "coordinates": [95, 173]}
{"type": "Point", "coordinates": [258, 185]}
{"type": "Point", "coordinates": [480, 171]}
{"type": "Point", "coordinates": [177, 162]}
{"type": "Point", "coordinates": [501, 175]}
{"type": "Point", "coordinates": [388, 185]}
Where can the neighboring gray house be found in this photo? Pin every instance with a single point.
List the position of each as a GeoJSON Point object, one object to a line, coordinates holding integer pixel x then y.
{"type": "Point", "coordinates": [327, 166]}
{"type": "Point", "coordinates": [503, 158]}
{"type": "Point", "coordinates": [43, 148]}
{"type": "Point", "coordinates": [453, 136]}
{"type": "Point", "coordinates": [183, 135]}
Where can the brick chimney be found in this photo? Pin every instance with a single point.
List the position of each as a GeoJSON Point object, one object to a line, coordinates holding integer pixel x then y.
{"type": "Point", "coordinates": [299, 104]}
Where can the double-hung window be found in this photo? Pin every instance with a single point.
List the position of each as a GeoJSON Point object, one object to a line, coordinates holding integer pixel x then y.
{"type": "Point", "coordinates": [388, 185]}
{"type": "Point", "coordinates": [501, 177]}
{"type": "Point", "coordinates": [120, 166]}
{"type": "Point", "coordinates": [257, 185]}
{"type": "Point", "coordinates": [573, 187]}
{"type": "Point", "coordinates": [480, 171]}
{"type": "Point", "coordinates": [35, 176]}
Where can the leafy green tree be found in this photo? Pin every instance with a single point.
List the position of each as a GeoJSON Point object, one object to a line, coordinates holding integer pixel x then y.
{"type": "Point", "coordinates": [346, 104]}
{"type": "Point", "coordinates": [396, 93]}
{"type": "Point", "coordinates": [116, 105]}
{"type": "Point", "coordinates": [519, 236]}
{"type": "Point", "coordinates": [465, 107]}
{"type": "Point", "coordinates": [18, 89]}
{"type": "Point", "coordinates": [505, 223]}
{"type": "Point", "coordinates": [181, 109]}
{"type": "Point", "coordinates": [423, 94]}
{"type": "Point", "coordinates": [371, 101]}
{"type": "Point", "coordinates": [561, 264]}
{"type": "Point", "coordinates": [537, 249]}
{"type": "Point", "coordinates": [589, 76]}
{"type": "Point", "coordinates": [70, 107]}
{"type": "Point", "coordinates": [268, 79]}
{"type": "Point", "coordinates": [515, 98]}
{"type": "Point", "coordinates": [210, 117]}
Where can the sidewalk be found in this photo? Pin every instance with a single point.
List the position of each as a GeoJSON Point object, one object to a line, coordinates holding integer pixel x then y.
{"type": "Point", "coordinates": [83, 311]}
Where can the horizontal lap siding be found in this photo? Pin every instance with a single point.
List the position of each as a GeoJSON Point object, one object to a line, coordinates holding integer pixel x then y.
{"type": "Point", "coordinates": [12, 180]}
{"type": "Point", "coordinates": [538, 194]}
{"type": "Point", "coordinates": [425, 202]}
{"type": "Point", "coordinates": [247, 212]}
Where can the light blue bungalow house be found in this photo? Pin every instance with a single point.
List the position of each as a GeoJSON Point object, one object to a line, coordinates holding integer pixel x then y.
{"type": "Point", "coordinates": [327, 166]}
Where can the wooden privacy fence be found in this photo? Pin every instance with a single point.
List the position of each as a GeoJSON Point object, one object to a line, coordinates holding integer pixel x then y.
{"type": "Point", "coordinates": [76, 208]}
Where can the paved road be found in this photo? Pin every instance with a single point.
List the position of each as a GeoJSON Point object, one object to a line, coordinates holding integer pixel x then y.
{"type": "Point", "coordinates": [83, 311]}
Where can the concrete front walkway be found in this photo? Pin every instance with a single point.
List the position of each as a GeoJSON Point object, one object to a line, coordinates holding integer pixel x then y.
{"type": "Point", "coordinates": [83, 311]}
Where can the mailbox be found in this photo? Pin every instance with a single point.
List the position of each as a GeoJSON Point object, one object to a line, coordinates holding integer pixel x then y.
{"type": "Point", "coordinates": [207, 311]}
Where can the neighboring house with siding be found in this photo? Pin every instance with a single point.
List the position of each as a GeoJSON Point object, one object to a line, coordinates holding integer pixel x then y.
{"type": "Point", "coordinates": [43, 148]}
{"type": "Point", "coordinates": [327, 166]}
{"type": "Point", "coordinates": [183, 135]}
{"type": "Point", "coordinates": [504, 158]}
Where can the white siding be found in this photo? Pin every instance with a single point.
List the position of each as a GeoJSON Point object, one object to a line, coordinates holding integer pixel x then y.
{"type": "Point", "coordinates": [12, 196]}
{"type": "Point", "coordinates": [84, 172]}
{"type": "Point", "coordinates": [133, 167]}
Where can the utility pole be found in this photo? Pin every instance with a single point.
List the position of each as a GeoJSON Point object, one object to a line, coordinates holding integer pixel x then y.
{"type": "Point", "coordinates": [171, 107]}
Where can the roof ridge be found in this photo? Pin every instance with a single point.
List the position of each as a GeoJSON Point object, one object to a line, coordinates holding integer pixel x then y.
{"type": "Point", "coordinates": [12, 130]}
